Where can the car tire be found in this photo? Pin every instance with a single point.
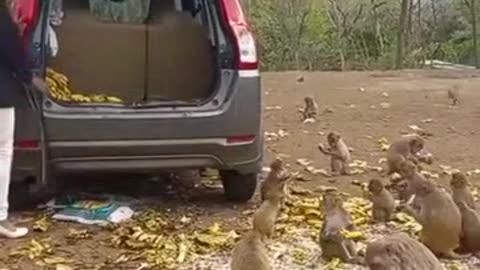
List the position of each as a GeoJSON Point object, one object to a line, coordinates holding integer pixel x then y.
{"type": "Point", "coordinates": [238, 187]}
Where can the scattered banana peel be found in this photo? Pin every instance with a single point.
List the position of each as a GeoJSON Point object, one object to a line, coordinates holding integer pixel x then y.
{"type": "Point", "coordinates": [420, 131]}
{"type": "Point", "coordinates": [300, 256]}
{"type": "Point", "coordinates": [430, 175]}
{"type": "Point", "coordinates": [333, 264]}
{"type": "Point", "coordinates": [383, 143]}
{"type": "Point", "coordinates": [309, 121]}
{"type": "Point", "coordinates": [354, 235]}
{"type": "Point", "coordinates": [275, 136]}
{"type": "Point", "coordinates": [75, 235]}
{"type": "Point", "coordinates": [40, 250]}
{"type": "Point", "coordinates": [42, 224]}
{"type": "Point", "coordinates": [448, 170]}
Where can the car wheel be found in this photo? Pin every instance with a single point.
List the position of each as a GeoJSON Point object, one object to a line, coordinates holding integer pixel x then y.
{"type": "Point", "coordinates": [238, 187]}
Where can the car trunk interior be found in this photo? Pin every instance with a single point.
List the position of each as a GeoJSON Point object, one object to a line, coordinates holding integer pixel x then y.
{"type": "Point", "coordinates": [171, 57]}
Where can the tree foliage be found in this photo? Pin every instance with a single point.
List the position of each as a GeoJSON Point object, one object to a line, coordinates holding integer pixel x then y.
{"type": "Point", "coordinates": [362, 34]}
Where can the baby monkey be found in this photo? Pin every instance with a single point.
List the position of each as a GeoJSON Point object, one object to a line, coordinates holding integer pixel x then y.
{"type": "Point", "coordinates": [336, 220]}
{"type": "Point", "coordinates": [382, 200]}
{"type": "Point", "coordinates": [338, 152]}
{"type": "Point", "coordinates": [454, 94]}
{"type": "Point", "coordinates": [460, 190]}
{"type": "Point", "coordinates": [400, 252]}
{"type": "Point", "coordinates": [311, 109]}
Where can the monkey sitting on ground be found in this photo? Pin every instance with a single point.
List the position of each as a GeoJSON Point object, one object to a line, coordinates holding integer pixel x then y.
{"type": "Point", "coordinates": [338, 152]}
{"type": "Point", "coordinates": [311, 109]}
{"type": "Point", "coordinates": [336, 220]}
{"type": "Point", "coordinates": [460, 190]}
{"type": "Point", "coordinates": [403, 149]}
{"type": "Point", "coordinates": [400, 252]}
{"type": "Point", "coordinates": [266, 215]}
{"type": "Point", "coordinates": [250, 253]}
{"type": "Point", "coordinates": [275, 181]}
{"type": "Point", "coordinates": [440, 219]}
{"type": "Point", "coordinates": [470, 240]}
{"type": "Point", "coordinates": [383, 202]}
{"type": "Point", "coordinates": [408, 170]}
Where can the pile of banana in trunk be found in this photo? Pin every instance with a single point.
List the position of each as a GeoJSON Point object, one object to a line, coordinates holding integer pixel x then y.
{"type": "Point", "coordinates": [58, 88]}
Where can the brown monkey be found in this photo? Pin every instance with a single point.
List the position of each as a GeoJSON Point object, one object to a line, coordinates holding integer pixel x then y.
{"type": "Point", "coordinates": [311, 109]}
{"type": "Point", "coordinates": [336, 220]}
{"type": "Point", "coordinates": [382, 199]}
{"type": "Point", "coordinates": [338, 152]}
{"type": "Point", "coordinates": [408, 170]}
{"type": "Point", "coordinates": [266, 215]}
{"type": "Point", "coordinates": [460, 190]}
{"type": "Point", "coordinates": [470, 240]}
{"type": "Point", "coordinates": [454, 94]}
{"type": "Point", "coordinates": [400, 252]}
{"type": "Point", "coordinates": [250, 253]}
{"type": "Point", "coordinates": [275, 181]}
{"type": "Point", "coordinates": [404, 148]}
{"type": "Point", "coordinates": [440, 219]}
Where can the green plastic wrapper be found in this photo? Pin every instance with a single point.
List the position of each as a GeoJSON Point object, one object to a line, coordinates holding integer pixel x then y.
{"type": "Point", "coordinates": [120, 11]}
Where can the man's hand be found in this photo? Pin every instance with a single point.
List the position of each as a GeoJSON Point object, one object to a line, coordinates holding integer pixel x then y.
{"type": "Point", "coordinates": [39, 84]}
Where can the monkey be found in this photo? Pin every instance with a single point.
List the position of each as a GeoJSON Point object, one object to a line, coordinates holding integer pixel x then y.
{"type": "Point", "coordinates": [382, 200]}
{"type": "Point", "coordinates": [311, 109]}
{"type": "Point", "coordinates": [408, 170]}
{"type": "Point", "coordinates": [400, 252]}
{"type": "Point", "coordinates": [266, 215]}
{"type": "Point", "coordinates": [250, 253]}
{"type": "Point", "coordinates": [460, 190]}
{"type": "Point", "coordinates": [336, 220]}
{"type": "Point", "coordinates": [275, 181]}
{"type": "Point", "coordinates": [338, 152]}
{"type": "Point", "coordinates": [454, 94]}
{"type": "Point", "coordinates": [403, 149]}
{"type": "Point", "coordinates": [440, 219]}
{"type": "Point", "coordinates": [470, 239]}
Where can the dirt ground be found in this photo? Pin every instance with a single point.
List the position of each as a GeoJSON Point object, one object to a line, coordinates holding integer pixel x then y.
{"type": "Point", "coordinates": [362, 106]}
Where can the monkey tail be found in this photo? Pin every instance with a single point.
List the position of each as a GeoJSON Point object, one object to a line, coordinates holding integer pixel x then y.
{"type": "Point", "coordinates": [455, 256]}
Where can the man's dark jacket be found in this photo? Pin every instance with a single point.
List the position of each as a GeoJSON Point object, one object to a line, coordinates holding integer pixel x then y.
{"type": "Point", "coordinates": [14, 73]}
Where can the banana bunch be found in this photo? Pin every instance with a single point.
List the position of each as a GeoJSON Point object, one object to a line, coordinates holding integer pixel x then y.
{"type": "Point", "coordinates": [58, 85]}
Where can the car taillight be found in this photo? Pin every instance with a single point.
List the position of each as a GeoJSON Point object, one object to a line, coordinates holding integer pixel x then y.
{"type": "Point", "coordinates": [27, 144]}
{"type": "Point", "coordinates": [246, 51]}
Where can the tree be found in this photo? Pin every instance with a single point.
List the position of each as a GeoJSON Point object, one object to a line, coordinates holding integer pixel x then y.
{"type": "Point", "coordinates": [402, 25]}
{"type": "Point", "coordinates": [471, 5]}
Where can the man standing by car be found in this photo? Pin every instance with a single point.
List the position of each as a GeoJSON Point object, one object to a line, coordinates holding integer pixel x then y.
{"type": "Point", "coordinates": [14, 76]}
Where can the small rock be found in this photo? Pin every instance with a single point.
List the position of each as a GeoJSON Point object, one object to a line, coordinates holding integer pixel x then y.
{"type": "Point", "coordinates": [329, 110]}
{"type": "Point", "coordinates": [428, 120]}
{"type": "Point", "coordinates": [332, 180]}
{"type": "Point", "coordinates": [361, 89]}
{"type": "Point", "coordinates": [296, 190]}
{"type": "Point", "coordinates": [385, 94]}
{"type": "Point", "coordinates": [323, 189]}
{"type": "Point", "coordinates": [63, 267]}
{"type": "Point", "coordinates": [385, 105]}
{"type": "Point", "coordinates": [300, 79]}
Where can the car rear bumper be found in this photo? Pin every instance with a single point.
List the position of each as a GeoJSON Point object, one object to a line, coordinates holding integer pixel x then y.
{"type": "Point", "coordinates": [158, 155]}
